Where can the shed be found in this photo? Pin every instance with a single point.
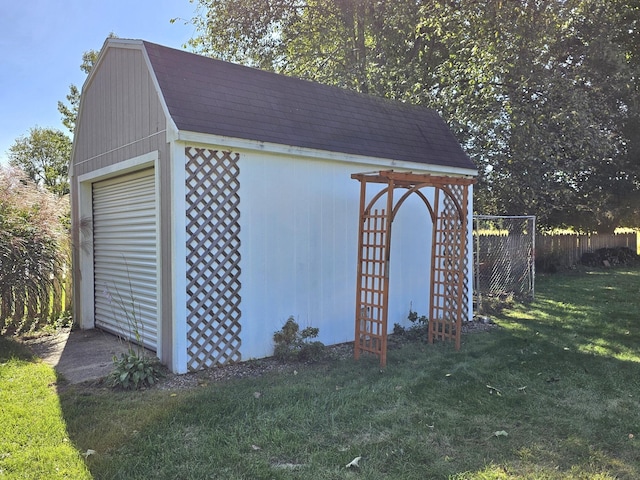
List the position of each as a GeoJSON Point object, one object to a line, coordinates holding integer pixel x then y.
{"type": "Point", "coordinates": [211, 201]}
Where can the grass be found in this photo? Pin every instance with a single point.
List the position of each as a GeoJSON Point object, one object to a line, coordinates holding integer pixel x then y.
{"type": "Point", "coordinates": [559, 377]}
{"type": "Point", "coordinates": [34, 442]}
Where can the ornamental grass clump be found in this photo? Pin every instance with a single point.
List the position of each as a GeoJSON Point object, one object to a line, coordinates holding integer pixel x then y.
{"type": "Point", "coordinates": [34, 253]}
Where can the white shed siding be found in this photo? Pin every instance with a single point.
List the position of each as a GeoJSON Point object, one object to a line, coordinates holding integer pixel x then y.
{"type": "Point", "coordinates": [410, 261]}
{"type": "Point", "coordinates": [299, 242]}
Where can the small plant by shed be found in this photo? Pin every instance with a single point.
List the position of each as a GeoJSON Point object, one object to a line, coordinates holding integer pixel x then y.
{"type": "Point", "coordinates": [291, 343]}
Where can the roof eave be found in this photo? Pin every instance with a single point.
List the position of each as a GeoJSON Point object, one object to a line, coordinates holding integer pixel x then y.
{"type": "Point", "coordinates": [198, 138]}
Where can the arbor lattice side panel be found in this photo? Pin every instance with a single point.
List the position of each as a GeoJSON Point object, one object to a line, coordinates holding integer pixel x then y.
{"type": "Point", "coordinates": [449, 289]}
{"type": "Point", "coordinates": [371, 326]}
{"type": "Point", "coordinates": [213, 257]}
{"type": "Point", "coordinates": [461, 192]}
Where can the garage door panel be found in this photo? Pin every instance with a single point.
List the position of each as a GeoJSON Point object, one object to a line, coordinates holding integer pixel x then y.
{"type": "Point", "coordinates": [117, 252]}
{"type": "Point", "coordinates": [144, 257]}
{"type": "Point", "coordinates": [136, 274]}
{"type": "Point", "coordinates": [141, 309]}
{"type": "Point", "coordinates": [112, 218]}
{"type": "Point", "coordinates": [139, 224]}
{"type": "Point", "coordinates": [125, 256]}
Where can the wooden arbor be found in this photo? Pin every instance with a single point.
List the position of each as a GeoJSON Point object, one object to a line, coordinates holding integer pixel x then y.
{"type": "Point", "coordinates": [448, 209]}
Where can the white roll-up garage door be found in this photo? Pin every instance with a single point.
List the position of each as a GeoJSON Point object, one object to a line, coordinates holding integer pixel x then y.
{"type": "Point", "coordinates": [125, 257]}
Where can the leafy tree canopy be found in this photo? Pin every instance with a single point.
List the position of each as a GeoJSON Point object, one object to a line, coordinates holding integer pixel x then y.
{"type": "Point", "coordinates": [44, 156]}
{"type": "Point", "coordinates": [543, 94]}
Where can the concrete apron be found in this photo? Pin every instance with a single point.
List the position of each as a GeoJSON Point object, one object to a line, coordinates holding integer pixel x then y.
{"type": "Point", "coordinates": [79, 355]}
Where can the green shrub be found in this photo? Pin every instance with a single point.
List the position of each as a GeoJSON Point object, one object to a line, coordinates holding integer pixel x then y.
{"type": "Point", "coordinates": [134, 370]}
{"type": "Point", "coordinates": [417, 321]}
{"type": "Point", "coordinates": [293, 344]}
{"type": "Point", "coordinates": [398, 329]}
{"type": "Point", "coordinates": [419, 326]}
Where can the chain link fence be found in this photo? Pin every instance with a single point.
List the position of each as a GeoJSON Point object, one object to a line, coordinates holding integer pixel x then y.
{"type": "Point", "coordinates": [503, 258]}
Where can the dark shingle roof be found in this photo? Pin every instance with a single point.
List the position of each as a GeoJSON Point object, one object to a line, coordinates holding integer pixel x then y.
{"type": "Point", "coordinates": [215, 97]}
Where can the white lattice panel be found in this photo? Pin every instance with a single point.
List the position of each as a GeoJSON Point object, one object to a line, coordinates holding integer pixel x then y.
{"type": "Point", "coordinates": [213, 257]}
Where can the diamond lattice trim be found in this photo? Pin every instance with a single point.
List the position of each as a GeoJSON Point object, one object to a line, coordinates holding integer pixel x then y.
{"type": "Point", "coordinates": [213, 257]}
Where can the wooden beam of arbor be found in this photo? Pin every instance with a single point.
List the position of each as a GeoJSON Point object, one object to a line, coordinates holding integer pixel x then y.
{"type": "Point", "coordinates": [410, 179]}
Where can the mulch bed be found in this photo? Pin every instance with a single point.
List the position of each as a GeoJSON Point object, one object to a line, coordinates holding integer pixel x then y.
{"type": "Point", "coordinates": [262, 366]}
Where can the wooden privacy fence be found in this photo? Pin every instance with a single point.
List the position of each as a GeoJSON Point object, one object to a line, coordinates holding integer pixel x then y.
{"type": "Point", "coordinates": [507, 254]}
{"type": "Point", "coordinates": [20, 305]}
{"type": "Point", "coordinates": [565, 250]}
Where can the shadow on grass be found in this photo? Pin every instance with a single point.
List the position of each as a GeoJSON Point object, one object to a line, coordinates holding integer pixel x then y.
{"type": "Point", "coordinates": [551, 393]}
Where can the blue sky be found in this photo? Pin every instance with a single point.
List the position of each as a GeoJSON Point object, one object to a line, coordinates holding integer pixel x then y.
{"type": "Point", "coordinates": [41, 47]}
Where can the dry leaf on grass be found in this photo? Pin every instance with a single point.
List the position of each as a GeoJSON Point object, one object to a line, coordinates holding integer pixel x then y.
{"type": "Point", "coordinates": [493, 390]}
{"type": "Point", "coordinates": [354, 463]}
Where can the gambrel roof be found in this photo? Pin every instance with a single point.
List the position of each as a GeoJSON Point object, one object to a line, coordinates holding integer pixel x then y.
{"type": "Point", "coordinates": [210, 96]}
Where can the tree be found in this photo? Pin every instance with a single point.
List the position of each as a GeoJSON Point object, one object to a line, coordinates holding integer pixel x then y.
{"type": "Point", "coordinates": [543, 95]}
{"type": "Point", "coordinates": [542, 114]}
{"type": "Point", "coordinates": [357, 44]}
{"type": "Point", "coordinates": [69, 111]}
{"type": "Point", "coordinates": [44, 156]}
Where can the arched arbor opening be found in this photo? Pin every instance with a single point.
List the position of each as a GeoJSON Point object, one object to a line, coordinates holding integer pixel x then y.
{"type": "Point", "coordinates": [447, 204]}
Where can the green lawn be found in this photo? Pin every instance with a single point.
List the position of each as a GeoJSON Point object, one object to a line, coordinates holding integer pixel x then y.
{"type": "Point", "coordinates": [552, 393]}
{"type": "Point", "coordinates": [34, 441]}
